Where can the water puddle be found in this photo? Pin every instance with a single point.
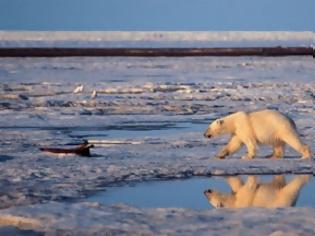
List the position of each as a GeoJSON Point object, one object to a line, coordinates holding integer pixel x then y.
{"type": "Point", "coordinates": [140, 130]}
{"type": "Point", "coordinates": [221, 192]}
{"type": "Point", "coordinates": [114, 132]}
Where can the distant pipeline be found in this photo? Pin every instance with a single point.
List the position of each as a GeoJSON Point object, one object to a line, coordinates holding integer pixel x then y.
{"type": "Point", "coordinates": [156, 52]}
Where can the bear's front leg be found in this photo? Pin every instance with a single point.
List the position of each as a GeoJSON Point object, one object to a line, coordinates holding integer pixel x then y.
{"type": "Point", "coordinates": [233, 145]}
{"type": "Point", "coordinates": [222, 153]}
{"type": "Point", "coordinates": [251, 150]}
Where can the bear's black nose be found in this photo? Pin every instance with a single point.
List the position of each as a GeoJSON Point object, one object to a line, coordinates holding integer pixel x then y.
{"type": "Point", "coordinates": [207, 191]}
{"type": "Point", "coordinates": [207, 135]}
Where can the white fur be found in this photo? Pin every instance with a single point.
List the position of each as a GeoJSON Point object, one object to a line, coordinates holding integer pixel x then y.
{"type": "Point", "coordinates": [261, 127]}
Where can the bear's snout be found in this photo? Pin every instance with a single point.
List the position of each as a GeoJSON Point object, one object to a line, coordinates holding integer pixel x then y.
{"type": "Point", "coordinates": [206, 135]}
{"type": "Point", "coordinates": [208, 191]}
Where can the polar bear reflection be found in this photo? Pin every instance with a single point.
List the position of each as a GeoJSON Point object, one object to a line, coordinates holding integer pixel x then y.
{"type": "Point", "coordinates": [253, 193]}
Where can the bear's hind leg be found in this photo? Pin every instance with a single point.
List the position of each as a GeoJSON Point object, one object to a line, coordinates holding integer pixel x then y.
{"type": "Point", "coordinates": [294, 141]}
{"type": "Point", "coordinates": [289, 193]}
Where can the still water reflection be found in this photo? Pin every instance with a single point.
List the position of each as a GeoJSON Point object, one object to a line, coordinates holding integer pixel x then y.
{"type": "Point", "coordinates": [236, 191]}
{"type": "Point", "coordinates": [278, 192]}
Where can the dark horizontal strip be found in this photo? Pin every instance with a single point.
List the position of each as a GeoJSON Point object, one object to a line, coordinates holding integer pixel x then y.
{"type": "Point", "coordinates": [156, 52]}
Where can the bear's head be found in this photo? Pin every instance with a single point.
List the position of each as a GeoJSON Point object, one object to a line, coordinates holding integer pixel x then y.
{"type": "Point", "coordinates": [219, 199]}
{"type": "Point", "coordinates": [216, 128]}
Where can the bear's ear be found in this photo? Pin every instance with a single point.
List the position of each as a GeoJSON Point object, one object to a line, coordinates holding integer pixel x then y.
{"type": "Point", "coordinates": [220, 122]}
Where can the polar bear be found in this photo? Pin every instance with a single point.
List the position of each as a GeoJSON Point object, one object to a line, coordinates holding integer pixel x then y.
{"type": "Point", "coordinates": [254, 193]}
{"type": "Point", "coordinates": [261, 127]}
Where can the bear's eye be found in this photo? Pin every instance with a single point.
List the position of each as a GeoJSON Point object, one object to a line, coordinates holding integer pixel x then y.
{"type": "Point", "coordinates": [220, 122]}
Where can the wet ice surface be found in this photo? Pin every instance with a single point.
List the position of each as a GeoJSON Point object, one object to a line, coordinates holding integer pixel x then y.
{"type": "Point", "coordinates": [147, 122]}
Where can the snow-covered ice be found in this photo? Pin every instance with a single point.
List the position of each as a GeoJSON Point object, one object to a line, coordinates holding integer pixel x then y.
{"type": "Point", "coordinates": [147, 122]}
{"type": "Point", "coordinates": [94, 219]}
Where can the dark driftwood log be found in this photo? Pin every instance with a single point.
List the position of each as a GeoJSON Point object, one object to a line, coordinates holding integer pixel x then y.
{"type": "Point", "coordinates": [156, 52]}
{"type": "Point", "coordinates": [81, 150]}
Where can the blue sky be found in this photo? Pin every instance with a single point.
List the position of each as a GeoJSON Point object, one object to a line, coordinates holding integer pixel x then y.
{"type": "Point", "coordinates": [152, 15]}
